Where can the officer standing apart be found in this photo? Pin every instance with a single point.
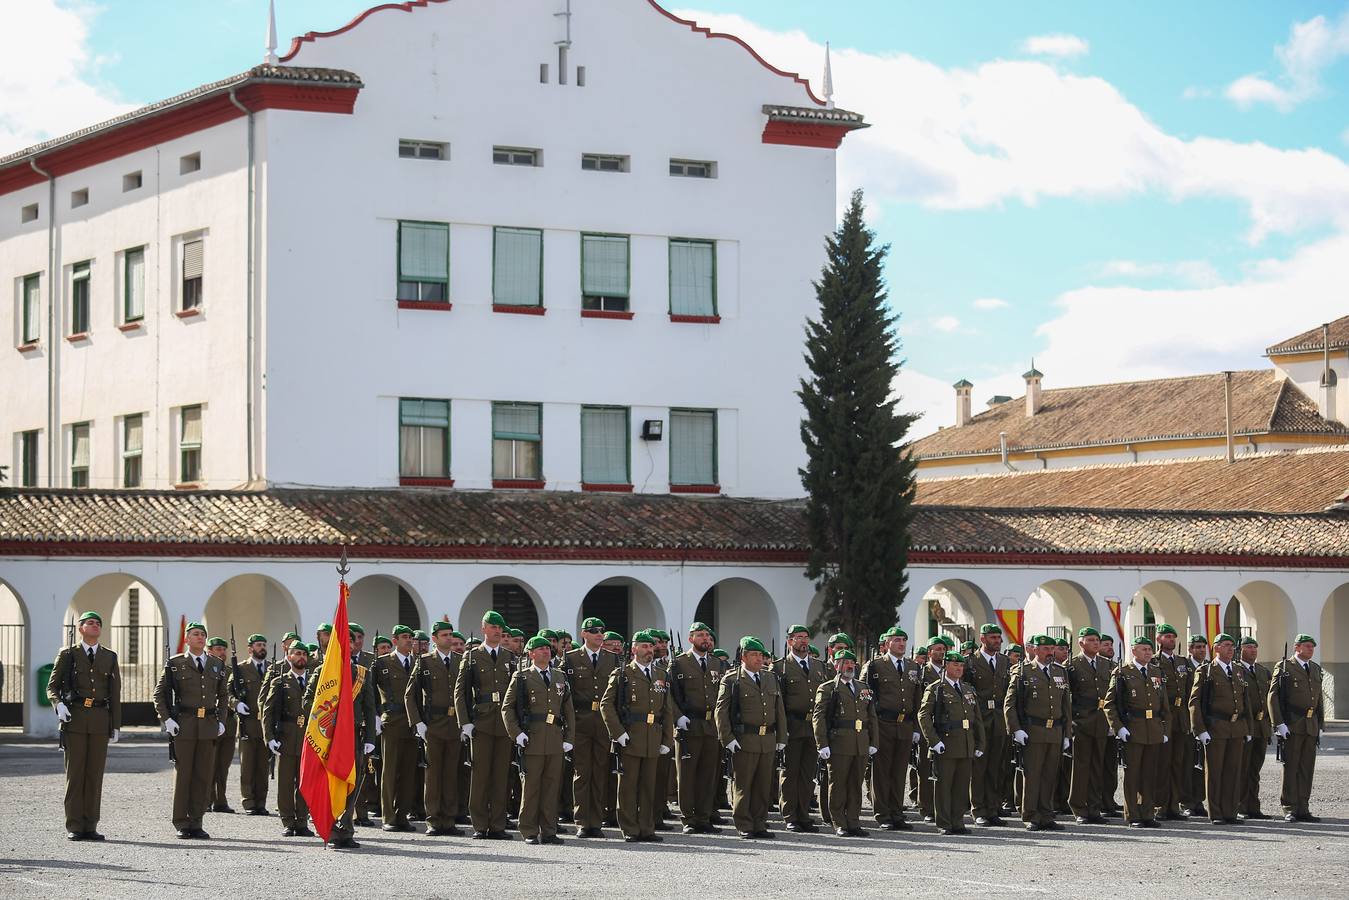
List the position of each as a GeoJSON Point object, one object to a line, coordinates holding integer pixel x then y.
{"type": "Point", "coordinates": [537, 713]}
{"type": "Point", "coordinates": [85, 689]}
{"type": "Point", "coordinates": [588, 668]}
{"type": "Point", "coordinates": [799, 677]}
{"type": "Point", "coordinates": [846, 732]}
{"type": "Point", "coordinates": [430, 710]}
{"type": "Point", "coordinates": [639, 717]}
{"type": "Point", "coordinates": [1221, 716]}
{"type": "Point", "coordinates": [950, 720]}
{"type": "Point", "coordinates": [1037, 711]}
{"type": "Point", "coordinates": [253, 756]}
{"type": "Point", "coordinates": [695, 676]}
{"type": "Point", "coordinates": [1298, 712]}
{"type": "Point", "coordinates": [752, 724]}
{"type": "Point", "coordinates": [1136, 706]}
{"type": "Point", "coordinates": [988, 672]}
{"type": "Point", "coordinates": [894, 682]}
{"type": "Point", "coordinates": [191, 699]}
{"type": "Point", "coordinates": [282, 718]}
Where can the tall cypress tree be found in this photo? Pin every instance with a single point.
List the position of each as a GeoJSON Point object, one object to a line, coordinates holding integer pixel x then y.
{"type": "Point", "coordinates": [858, 478]}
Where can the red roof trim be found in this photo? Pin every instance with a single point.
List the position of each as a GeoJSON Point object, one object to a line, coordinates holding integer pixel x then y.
{"type": "Point", "coordinates": [310, 36]}
{"type": "Point", "coordinates": [804, 134]}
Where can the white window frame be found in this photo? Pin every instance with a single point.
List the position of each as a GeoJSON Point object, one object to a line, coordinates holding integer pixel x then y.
{"type": "Point", "coordinates": [29, 307]}
{"type": "Point", "coordinates": [185, 446]}
{"type": "Point", "coordinates": [128, 453]}
{"type": "Point", "coordinates": [81, 472]}
{"type": "Point", "coordinates": [81, 273]}
{"type": "Point", "coordinates": [687, 168]}
{"type": "Point", "coordinates": [182, 242]}
{"type": "Point", "coordinates": [605, 162]}
{"type": "Point", "coordinates": [517, 156]}
{"type": "Point", "coordinates": [440, 150]}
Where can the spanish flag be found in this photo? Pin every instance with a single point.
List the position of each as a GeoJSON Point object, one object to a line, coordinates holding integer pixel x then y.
{"type": "Point", "coordinates": [328, 760]}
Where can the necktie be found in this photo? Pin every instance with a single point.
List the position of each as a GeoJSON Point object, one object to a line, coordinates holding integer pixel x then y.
{"type": "Point", "coordinates": [201, 669]}
{"type": "Point", "coordinates": [494, 655]}
{"type": "Point", "coordinates": [647, 673]}
{"type": "Point", "coordinates": [261, 670]}
{"type": "Point", "coordinates": [1306, 668]}
{"type": "Point", "coordinates": [1092, 663]}
{"type": "Point", "coordinates": [546, 682]}
{"type": "Point", "coordinates": [805, 667]}
{"type": "Point", "coordinates": [852, 689]}
{"type": "Point", "coordinates": [594, 660]}
{"type": "Point", "coordinates": [702, 661]}
{"type": "Point", "coordinates": [756, 678]}
{"type": "Point", "coordinates": [91, 656]}
{"type": "Point", "coordinates": [446, 660]}
{"type": "Point", "coordinates": [300, 680]}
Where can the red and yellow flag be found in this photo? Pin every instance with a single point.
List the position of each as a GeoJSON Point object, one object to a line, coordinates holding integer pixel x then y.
{"type": "Point", "coordinates": [1115, 610]}
{"type": "Point", "coordinates": [1010, 620]}
{"type": "Point", "coordinates": [328, 760]}
{"type": "Point", "coordinates": [1213, 622]}
{"type": "Point", "coordinates": [182, 633]}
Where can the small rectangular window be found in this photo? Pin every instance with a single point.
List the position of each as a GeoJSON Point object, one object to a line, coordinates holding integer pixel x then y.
{"type": "Point", "coordinates": [79, 298]}
{"type": "Point", "coordinates": [31, 299]}
{"type": "Point", "coordinates": [423, 438]}
{"type": "Point", "coordinates": [189, 164]}
{"type": "Point", "coordinates": [517, 156]}
{"type": "Point", "coordinates": [28, 459]}
{"type": "Point", "coordinates": [604, 445]}
{"type": "Point", "coordinates": [133, 444]}
{"type": "Point", "coordinates": [79, 198]}
{"type": "Point", "coordinates": [189, 445]}
{"type": "Point", "coordinates": [693, 168]}
{"type": "Point", "coordinates": [517, 441]}
{"type": "Point", "coordinates": [693, 267]}
{"type": "Point", "coordinates": [131, 182]}
{"type": "Point", "coordinates": [192, 274]}
{"type": "Point", "coordinates": [604, 272]}
{"type": "Point", "coordinates": [517, 267]}
{"type": "Point", "coordinates": [133, 285]}
{"type": "Point", "coordinates": [79, 455]}
{"type": "Point", "coordinates": [599, 162]}
{"type": "Point", "coordinates": [423, 150]}
{"type": "Point", "coordinates": [28, 214]}
{"type": "Point", "coordinates": [424, 262]}
{"type": "Point", "coordinates": [693, 446]}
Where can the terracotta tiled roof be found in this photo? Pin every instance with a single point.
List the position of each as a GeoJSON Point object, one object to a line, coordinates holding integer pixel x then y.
{"type": "Point", "coordinates": [1263, 402]}
{"type": "Point", "coordinates": [1311, 339]}
{"type": "Point", "coordinates": [1305, 481]}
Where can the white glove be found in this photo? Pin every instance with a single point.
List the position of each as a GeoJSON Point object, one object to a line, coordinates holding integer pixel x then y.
{"type": "Point", "coordinates": [871, 751]}
{"type": "Point", "coordinates": [219, 728]}
{"type": "Point", "coordinates": [781, 747]}
{"type": "Point", "coordinates": [1124, 734]}
{"type": "Point", "coordinates": [664, 749]}
{"type": "Point", "coordinates": [623, 739]}
{"type": "Point", "coordinates": [733, 746]}
{"type": "Point", "coordinates": [367, 749]}
{"type": "Point", "coordinates": [682, 723]}
{"type": "Point", "coordinates": [825, 752]}
{"type": "Point", "coordinates": [1204, 738]}
{"type": "Point", "coordinates": [1110, 732]}
{"type": "Point", "coordinates": [1281, 731]}
{"type": "Point", "coordinates": [939, 748]}
{"type": "Point", "coordinates": [1067, 742]}
{"type": "Point", "coordinates": [241, 708]}
{"type": "Point", "coordinates": [1248, 738]}
{"type": "Point", "coordinates": [379, 726]}
{"type": "Point", "coordinates": [566, 748]}
{"type": "Point", "coordinates": [171, 727]}
{"type": "Point", "coordinates": [63, 713]}
{"type": "Point", "coordinates": [521, 739]}
{"type": "Point", "coordinates": [1165, 739]}
{"type": "Point", "coordinates": [917, 736]}
{"type": "Point", "coordinates": [1020, 737]}
{"type": "Point", "coordinates": [421, 729]}
{"type": "Point", "coordinates": [112, 738]}
{"type": "Point", "coordinates": [274, 746]}
{"type": "Point", "coordinates": [467, 731]}
{"type": "Point", "coordinates": [978, 754]}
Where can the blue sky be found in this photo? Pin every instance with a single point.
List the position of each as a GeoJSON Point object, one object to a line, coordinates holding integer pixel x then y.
{"type": "Point", "coordinates": [1149, 189]}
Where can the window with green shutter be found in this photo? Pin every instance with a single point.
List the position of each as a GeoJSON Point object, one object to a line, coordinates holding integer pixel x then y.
{"type": "Point", "coordinates": [604, 272]}
{"type": "Point", "coordinates": [79, 455]}
{"type": "Point", "coordinates": [79, 298]}
{"type": "Point", "coordinates": [424, 262]}
{"type": "Point", "coordinates": [31, 312]}
{"type": "Point", "coordinates": [189, 445]}
{"type": "Point", "coordinates": [517, 267]}
{"type": "Point", "coordinates": [423, 438]}
{"type": "Point", "coordinates": [28, 458]}
{"type": "Point", "coordinates": [517, 441]}
{"type": "Point", "coordinates": [693, 271]}
{"type": "Point", "coordinates": [693, 446]}
{"type": "Point", "coordinates": [133, 444]}
{"type": "Point", "coordinates": [604, 445]}
{"type": "Point", "coordinates": [192, 274]}
{"type": "Point", "coordinates": [133, 285]}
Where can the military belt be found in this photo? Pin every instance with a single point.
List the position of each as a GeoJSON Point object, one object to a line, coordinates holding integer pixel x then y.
{"type": "Point", "coordinates": [200, 711]}
{"type": "Point", "coordinates": [648, 718]}
{"type": "Point", "coordinates": [1043, 723]}
{"type": "Point", "coordinates": [799, 717]}
{"type": "Point", "coordinates": [547, 718]}
{"type": "Point", "coordinates": [88, 703]}
{"type": "Point", "coordinates": [890, 715]}
{"type": "Point", "coordinates": [440, 711]}
{"type": "Point", "coordinates": [760, 730]}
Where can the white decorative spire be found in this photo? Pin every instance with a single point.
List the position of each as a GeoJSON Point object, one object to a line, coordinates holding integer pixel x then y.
{"type": "Point", "coordinates": [270, 59]}
{"type": "Point", "coordinates": [828, 80]}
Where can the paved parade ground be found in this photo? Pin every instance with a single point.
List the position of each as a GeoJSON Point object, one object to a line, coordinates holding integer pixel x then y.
{"type": "Point", "coordinates": [248, 858]}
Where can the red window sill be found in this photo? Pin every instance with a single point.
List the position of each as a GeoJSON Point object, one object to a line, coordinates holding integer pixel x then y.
{"type": "Point", "coordinates": [188, 313]}
{"type": "Point", "coordinates": [188, 486]}
{"type": "Point", "coordinates": [129, 326]}
{"type": "Point", "coordinates": [606, 314]}
{"type": "Point", "coordinates": [24, 348]}
{"type": "Point", "coordinates": [696, 320]}
{"type": "Point", "coordinates": [417, 481]}
{"type": "Point", "coordinates": [418, 304]}
{"type": "Point", "coordinates": [695, 489]}
{"type": "Point", "coordinates": [520, 484]}
{"type": "Point", "coordinates": [518, 310]}
{"type": "Point", "coordinates": [79, 336]}
{"type": "Point", "coordinates": [611, 488]}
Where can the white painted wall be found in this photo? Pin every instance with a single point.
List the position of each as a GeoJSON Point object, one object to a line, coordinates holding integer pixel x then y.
{"type": "Point", "coordinates": [1306, 374]}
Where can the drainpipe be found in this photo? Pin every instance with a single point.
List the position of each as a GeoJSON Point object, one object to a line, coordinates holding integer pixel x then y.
{"type": "Point", "coordinates": [1227, 405]}
{"type": "Point", "coordinates": [248, 299]}
{"type": "Point", "coordinates": [51, 322]}
{"type": "Point", "coordinates": [1002, 443]}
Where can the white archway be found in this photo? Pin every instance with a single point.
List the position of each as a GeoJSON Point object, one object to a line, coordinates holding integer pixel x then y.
{"type": "Point", "coordinates": [1267, 611]}
{"type": "Point", "coordinates": [1333, 647]}
{"type": "Point", "coordinates": [1169, 603]}
{"type": "Point", "coordinates": [252, 604]}
{"type": "Point", "coordinates": [515, 599]}
{"type": "Point", "coordinates": [1061, 604]}
{"type": "Point", "coordinates": [955, 606]}
{"type": "Point", "coordinates": [18, 692]}
{"type": "Point", "coordinates": [135, 627]}
{"type": "Point", "coordinates": [738, 607]}
{"type": "Point", "coordinates": [378, 602]}
{"type": "Point", "coordinates": [626, 604]}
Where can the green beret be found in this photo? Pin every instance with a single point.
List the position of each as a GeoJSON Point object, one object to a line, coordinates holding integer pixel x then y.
{"type": "Point", "coordinates": [547, 634]}
{"type": "Point", "coordinates": [592, 622]}
{"type": "Point", "coordinates": [934, 641]}
{"type": "Point", "coordinates": [643, 637]}
{"type": "Point", "coordinates": [989, 628]}
{"type": "Point", "coordinates": [356, 628]}
{"type": "Point", "coordinates": [1107, 639]}
{"type": "Point", "coordinates": [659, 634]}
{"type": "Point", "coordinates": [1042, 640]}
{"type": "Point", "coordinates": [1088, 631]}
{"type": "Point", "coordinates": [946, 639]}
{"type": "Point", "coordinates": [700, 626]}
{"type": "Point", "coordinates": [564, 636]}
{"type": "Point", "coordinates": [840, 655]}
{"type": "Point", "coordinates": [517, 632]}
{"type": "Point", "coordinates": [290, 636]}
{"type": "Point", "coordinates": [441, 626]}
{"type": "Point", "coordinates": [420, 635]}
{"type": "Point", "coordinates": [1248, 640]}
{"type": "Point", "coordinates": [893, 632]}
{"type": "Point", "coordinates": [254, 638]}
{"type": "Point", "coordinates": [1166, 629]}
{"type": "Point", "coordinates": [1222, 636]}
{"type": "Point", "coordinates": [1305, 639]}
{"type": "Point", "coordinates": [382, 639]}
{"type": "Point", "coordinates": [301, 645]}
{"type": "Point", "coordinates": [1198, 639]}
{"type": "Point", "coordinates": [752, 643]}
{"type": "Point", "coordinates": [90, 614]}
{"type": "Point", "coordinates": [1062, 642]}
{"type": "Point", "coordinates": [326, 626]}
{"type": "Point", "coordinates": [538, 641]}
{"type": "Point", "coordinates": [954, 658]}
{"type": "Point", "coordinates": [968, 645]}
{"type": "Point", "coordinates": [813, 650]}
{"type": "Point", "coordinates": [191, 625]}
{"type": "Point", "coordinates": [722, 654]}
{"type": "Point", "coordinates": [841, 638]}
{"type": "Point", "coordinates": [401, 629]}
{"type": "Point", "coordinates": [612, 636]}
{"type": "Point", "coordinates": [1017, 648]}
{"type": "Point", "coordinates": [458, 634]}
{"type": "Point", "coordinates": [1144, 640]}
{"type": "Point", "coordinates": [797, 629]}
{"type": "Point", "coordinates": [217, 642]}
{"type": "Point", "coordinates": [492, 617]}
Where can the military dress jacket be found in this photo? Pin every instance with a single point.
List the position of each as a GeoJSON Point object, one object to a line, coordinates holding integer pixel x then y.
{"type": "Point", "coordinates": [197, 701]}
{"type": "Point", "coordinates": [898, 691]}
{"type": "Point", "coordinates": [365, 706]}
{"type": "Point", "coordinates": [989, 681]}
{"type": "Point", "coordinates": [542, 711]}
{"type": "Point", "coordinates": [952, 717]}
{"type": "Point", "coordinates": [1089, 685]}
{"type": "Point", "coordinates": [693, 691]}
{"type": "Point", "coordinates": [253, 683]}
{"type": "Point", "coordinates": [283, 712]}
{"type": "Point", "coordinates": [1301, 706]}
{"type": "Point", "coordinates": [588, 680]}
{"type": "Point", "coordinates": [798, 688]}
{"type": "Point", "coordinates": [1137, 701]}
{"type": "Point", "coordinates": [1258, 679]}
{"type": "Point", "coordinates": [639, 706]}
{"type": "Point", "coordinates": [1039, 703]}
{"type": "Point", "coordinates": [1177, 679]}
{"type": "Point", "coordinates": [429, 696]}
{"type": "Point", "coordinates": [391, 681]}
{"type": "Point", "coordinates": [481, 688]}
{"type": "Point", "coordinates": [844, 718]}
{"type": "Point", "coordinates": [751, 712]}
{"type": "Point", "coordinates": [93, 693]}
{"type": "Point", "coordinates": [1219, 703]}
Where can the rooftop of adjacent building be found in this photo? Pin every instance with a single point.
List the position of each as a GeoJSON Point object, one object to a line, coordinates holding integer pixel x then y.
{"type": "Point", "coordinates": [1330, 336]}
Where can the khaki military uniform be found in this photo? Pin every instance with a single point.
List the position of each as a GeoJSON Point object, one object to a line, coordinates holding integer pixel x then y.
{"type": "Point", "coordinates": [1219, 704]}
{"type": "Point", "coordinates": [364, 712]}
{"type": "Point", "coordinates": [1110, 769]}
{"type": "Point", "coordinates": [896, 687]}
{"type": "Point", "coordinates": [196, 698]}
{"type": "Point", "coordinates": [1194, 772]}
{"type": "Point", "coordinates": [749, 711]}
{"type": "Point", "coordinates": [430, 699]}
{"type": "Point", "coordinates": [1172, 778]}
{"type": "Point", "coordinates": [92, 691]}
{"type": "Point", "coordinates": [283, 716]}
{"type": "Point", "coordinates": [539, 705]}
{"type": "Point", "coordinates": [253, 754]}
{"type": "Point", "coordinates": [693, 691]}
{"type": "Point", "coordinates": [950, 716]}
{"type": "Point", "coordinates": [368, 800]}
{"type": "Point", "coordinates": [1258, 679]}
{"type": "Point", "coordinates": [638, 704]}
{"type": "Point", "coordinates": [799, 686]}
{"type": "Point", "coordinates": [1038, 702]}
{"type": "Point", "coordinates": [1089, 682]}
{"type": "Point", "coordinates": [1136, 700]}
{"type": "Point", "coordinates": [988, 774]}
{"type": "Point", "coordinates": [398, 769]}
{"type": "Point", "coordinates": [224, 755]}
{"type": "Point", "coordinates": [477, 699]}
{"type": "Point", "coordinates": [844, 720]}
{"type": "Point", "coordinates": [666, 789]}
{"type": "Point", "coordinates": [590, 755]}
{"type": "Point", "coordinates": [1295, 700]}
{"type": "Point", "coordinates": [930, 674]}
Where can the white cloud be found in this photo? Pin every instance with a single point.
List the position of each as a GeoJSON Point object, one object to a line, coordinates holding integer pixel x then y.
{"type": "Point", "coordinates": [1193, 272]}
{"type": "Point", "coordinates": [1195, 92]}
{"type": "Point", "coordinates": [48, 75]}
{"type": "Point", "coordinates": [1312, 46]}
{"type": "Point", "coordinates": [990, 303]}
{"type": "Point", "coordinates": [946, 323]}
{"type": "Point", "coordinates": [1063, 46]}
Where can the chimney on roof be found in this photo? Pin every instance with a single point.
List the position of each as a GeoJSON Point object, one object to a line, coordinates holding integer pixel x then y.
{"type": "Point", "coordinates": [270, 59]}
{"type": "Point", "coordinates": [963, 389]}
{"type": "Point", "coordinates": [1032, 376]}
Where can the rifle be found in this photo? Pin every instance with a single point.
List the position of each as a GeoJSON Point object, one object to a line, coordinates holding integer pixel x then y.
{"type": "Point", "coordinates": [419, 674]}
{"type": "Point", "coordinates": [171, 701]}
{"type": "Point", "coordinates": [677, 695]}
{"type": "Point", "coordinates": [1205, 690]}
{"type": "Point", "coordinates": [1281, 693]}
{"type": "Point", "coordinates": [275, 721]}
{"type": "Point", "coordinates": [1122, 702]}
{"type": "Point", "coordinates": [521, 716]}
{"type": "Point", "coordinates": [237, 687]}
{"type": "Point", "coordinates": [470, 700]}
{"type": "Point", "coordinates": [1019, 750]}
{"type": "Point", "coordinates": [940, 725]}
{"type": "Point", "coordinates": [67, 695]}
{"type": "Point", "coordinates": [620, 707]}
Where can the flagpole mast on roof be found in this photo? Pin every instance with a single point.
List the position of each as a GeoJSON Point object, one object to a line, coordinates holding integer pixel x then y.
{"type": "Point", "coordinates": [828, 80]}
{"type": "Point", "coordinates": [270, 59]}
